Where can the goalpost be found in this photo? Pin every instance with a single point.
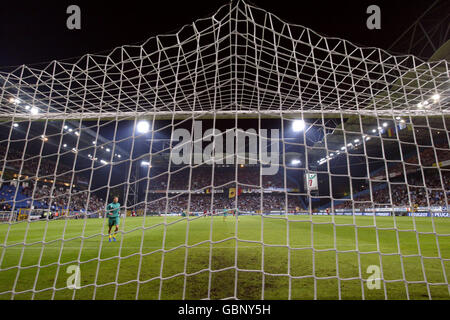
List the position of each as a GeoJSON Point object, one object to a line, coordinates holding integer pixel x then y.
{"type": "Point", "coordinates": [320, 146]}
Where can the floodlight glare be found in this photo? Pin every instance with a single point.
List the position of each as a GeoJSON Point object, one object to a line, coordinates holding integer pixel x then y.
{"type": "Point", "coordinates": [34, 110]}
{"type": "Point", "coordinates": [298, 125]}
{"type": "Point", "coordinates": [295, 162]}
{"type": "Point", "coordinates": [143, 126]}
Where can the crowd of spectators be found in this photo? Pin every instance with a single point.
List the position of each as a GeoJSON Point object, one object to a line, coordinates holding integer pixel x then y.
{"type": "Point", "coordinates": [416, 189]}
{"type": "Point", "coordinates": [426, 158]}
{"type": "Point", "coordinates": [202, 177]}
{"type": "Point", "coordinates": [62, 197]}
{"type": "Point", "coordinates": [251, 202]}
{"type": "Point", "coordinates": [32, 164]}
{"type": "Point", "coordinates": [430, 193]}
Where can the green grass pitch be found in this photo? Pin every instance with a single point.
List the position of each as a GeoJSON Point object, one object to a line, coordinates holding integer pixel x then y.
{"type": "Point", "coordinates": [302, 258]}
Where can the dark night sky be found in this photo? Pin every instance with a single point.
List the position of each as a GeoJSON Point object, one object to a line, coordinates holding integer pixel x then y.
{"type": "Point", "coordinates": [35, 31]}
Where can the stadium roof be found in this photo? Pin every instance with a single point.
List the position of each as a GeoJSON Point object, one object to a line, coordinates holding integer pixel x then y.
{"type": "Point", "coordinates": [240, 61]}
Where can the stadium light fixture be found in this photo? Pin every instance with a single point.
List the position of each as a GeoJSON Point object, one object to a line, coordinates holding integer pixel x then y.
{"type": "Point", "coordinates": [119, 156]}
{"type": "Point", "coordinates": [343, 148]}
{"type": "Point", "coordinates": [143, 126]}
{"type": "Point", "coordinates": [108, 149]}
{"type": "Point", "coordinates": [356, 140]}
{"type": "Point", "coordinates": [397, 118]}
{"type": "Point", "coordinates": [419, 105]}
{"type": "Point", "coordinates": [70, 130]}
{"type": "Point", "coordinates": [27, 107]}
{"type": "Point", "coordinates": [295, 162]}
{"type": "Point", "coordinates": [436, 97]}
{"type": "Point", "coordinates": [298, 125]}
{"type": "Point", "coordinates": [15, 125]}
{"type": "Point", "coordinates": [65, 145]}
{"type": "Point", "coordinates": [385, 124]}
{"type": "Point", "coordinates": [77, 133]}
{"type": "Point", "coordinates": [374, 130]}
{"type": "Point", "coordinates": [93, 142]}
{"type": "Point", "coordinates": [145, 164]}
{"type": "Point", "coordinates": [11, 100]}
{"type": "Point", "coordinates": [103, 161]}
{"type": "Point", "coordinates": [34, 110]}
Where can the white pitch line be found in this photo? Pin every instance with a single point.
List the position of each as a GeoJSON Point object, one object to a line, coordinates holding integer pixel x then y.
{"type": "Point", "coordinates": [302, 247]}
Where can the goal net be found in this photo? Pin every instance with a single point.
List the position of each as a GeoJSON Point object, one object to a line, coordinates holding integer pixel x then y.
{"type": "Point", "coordinates": [251, 159]}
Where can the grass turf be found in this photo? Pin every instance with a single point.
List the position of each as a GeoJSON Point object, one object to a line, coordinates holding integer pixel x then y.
{"type": "Point", "coordinates": [333, 270]}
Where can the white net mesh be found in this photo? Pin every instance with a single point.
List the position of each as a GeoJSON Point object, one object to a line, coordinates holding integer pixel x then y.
{"type": "Point", "coordinates": [355, 207]}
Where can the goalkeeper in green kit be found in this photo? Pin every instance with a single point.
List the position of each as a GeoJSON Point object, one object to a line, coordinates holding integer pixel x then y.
{"type": "Point", "coordinates": [113, 214]}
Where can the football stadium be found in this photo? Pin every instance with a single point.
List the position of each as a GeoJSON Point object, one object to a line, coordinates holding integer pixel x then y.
{"type": "Point", "coordinates": [241, 157]}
